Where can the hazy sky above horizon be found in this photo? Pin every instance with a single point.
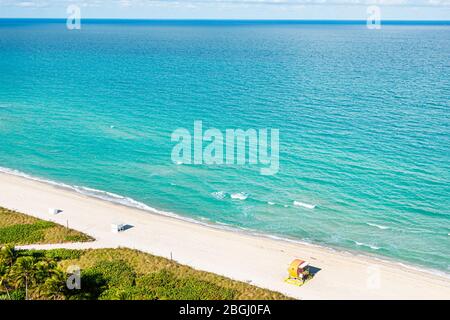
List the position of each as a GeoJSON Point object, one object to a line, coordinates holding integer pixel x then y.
{"type": "Point", "coordinates": [229, 9]}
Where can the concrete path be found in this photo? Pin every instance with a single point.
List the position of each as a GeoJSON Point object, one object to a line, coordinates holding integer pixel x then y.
{"type": "Point", "coordinates": [75, 245]}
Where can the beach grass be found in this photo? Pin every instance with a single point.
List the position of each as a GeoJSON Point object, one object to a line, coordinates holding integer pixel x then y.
{"type": "Point", "coordinates": [139, 275]}
{"type": "Point", "coordinates": [126, 274]}
{"type": "Point", "coordinates": [114, 274]}
{"type": "Point", "coordinates": [19, 229]}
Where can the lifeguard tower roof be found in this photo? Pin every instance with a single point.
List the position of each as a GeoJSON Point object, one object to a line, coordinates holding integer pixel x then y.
{"type": "Point", "coordinates": [300, 264]}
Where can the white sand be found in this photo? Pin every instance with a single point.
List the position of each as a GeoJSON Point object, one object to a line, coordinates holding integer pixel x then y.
{"type": "Point", "coordinates": [261, 260]}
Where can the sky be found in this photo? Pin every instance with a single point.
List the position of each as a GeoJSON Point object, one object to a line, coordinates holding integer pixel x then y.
{"type": "Point", "coordinates": [229, 9]}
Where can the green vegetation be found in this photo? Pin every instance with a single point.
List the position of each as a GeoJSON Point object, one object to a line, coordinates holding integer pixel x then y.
{"type": "Point", "coordinates": [106, 274]}
{"type": "Point", "coordinates": [19, 229]}
{"type": "Point", "coordinates": [31, 274]}
{"type": "Point", "coordinates": [113, 274]}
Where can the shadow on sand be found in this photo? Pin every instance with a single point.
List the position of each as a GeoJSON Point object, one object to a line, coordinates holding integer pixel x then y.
{"type": "Point", "coordinates": [313, 270]}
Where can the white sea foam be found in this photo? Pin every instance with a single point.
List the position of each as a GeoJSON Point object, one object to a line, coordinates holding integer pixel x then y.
{"type": "Point", "coordinates": [304, 205]}
{"type": "Point", "coordinates": [219, 195]}
{"type": "Point", "coordinates": [239, 196]}
{"type": "Point", "coordinates": [270, 203]}
{"type": "Point", "coordinates": [362, 244]}
{"type": "Point", "coordinates": [100, 194]}
{"type": "Point", "coordinates": [377, 226]}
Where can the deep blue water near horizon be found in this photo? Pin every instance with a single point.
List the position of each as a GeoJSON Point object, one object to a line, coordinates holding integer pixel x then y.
{"type": "Point", "coordinates": [363, 118]}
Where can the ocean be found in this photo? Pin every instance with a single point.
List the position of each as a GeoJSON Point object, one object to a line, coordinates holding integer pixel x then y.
{"type": "Point", "coordinates": [363, 118]}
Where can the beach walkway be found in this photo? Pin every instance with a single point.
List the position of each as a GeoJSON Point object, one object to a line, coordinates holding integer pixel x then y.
{"type": "Point", "coordinates": [72, 245]}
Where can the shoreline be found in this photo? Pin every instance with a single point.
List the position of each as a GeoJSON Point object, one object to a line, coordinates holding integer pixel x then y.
{"type": "Point", "coordinates": [134, 204]}
{"type": "Point", "coordinates": [244, 255]}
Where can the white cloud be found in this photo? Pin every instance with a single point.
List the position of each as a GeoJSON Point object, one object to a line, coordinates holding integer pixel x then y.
{"type": "Point", "coordinates": [31, 4]}
{"type": "Point", "coordinates": [125, 3]}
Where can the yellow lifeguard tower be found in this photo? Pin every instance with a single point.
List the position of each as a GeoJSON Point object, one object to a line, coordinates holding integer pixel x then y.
{"type": "Point", "coordinates": [298, 272]}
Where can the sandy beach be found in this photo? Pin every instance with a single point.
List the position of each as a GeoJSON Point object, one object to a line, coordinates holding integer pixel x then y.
{"type": "Point", "coordinates": [258, 260]}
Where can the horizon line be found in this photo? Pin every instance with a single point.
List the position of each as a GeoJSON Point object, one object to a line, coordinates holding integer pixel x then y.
{"type": "Point", "coordinates": [356, 21]}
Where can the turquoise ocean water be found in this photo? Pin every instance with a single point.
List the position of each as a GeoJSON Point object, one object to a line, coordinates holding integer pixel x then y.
{"type": "Point", "coordinates": [363, 118]}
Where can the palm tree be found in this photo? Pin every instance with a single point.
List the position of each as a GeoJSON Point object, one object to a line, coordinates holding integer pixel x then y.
{"type": "Point", "coordinates": [44, 269]}
{"type": "Point", "coordinates": [4, 277]}
{"type": "Point", "coordinates": [8, 254]}
{"type": "Point", "coordinates": [23, 273]}
{"type": "Point", "coordinates": [55, 287]}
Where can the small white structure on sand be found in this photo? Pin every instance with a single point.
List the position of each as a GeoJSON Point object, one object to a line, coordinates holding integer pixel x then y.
{"type": "Point", "coordinates": [53, 211]}
{"type": "Point", "coordinates": [117, 227]}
